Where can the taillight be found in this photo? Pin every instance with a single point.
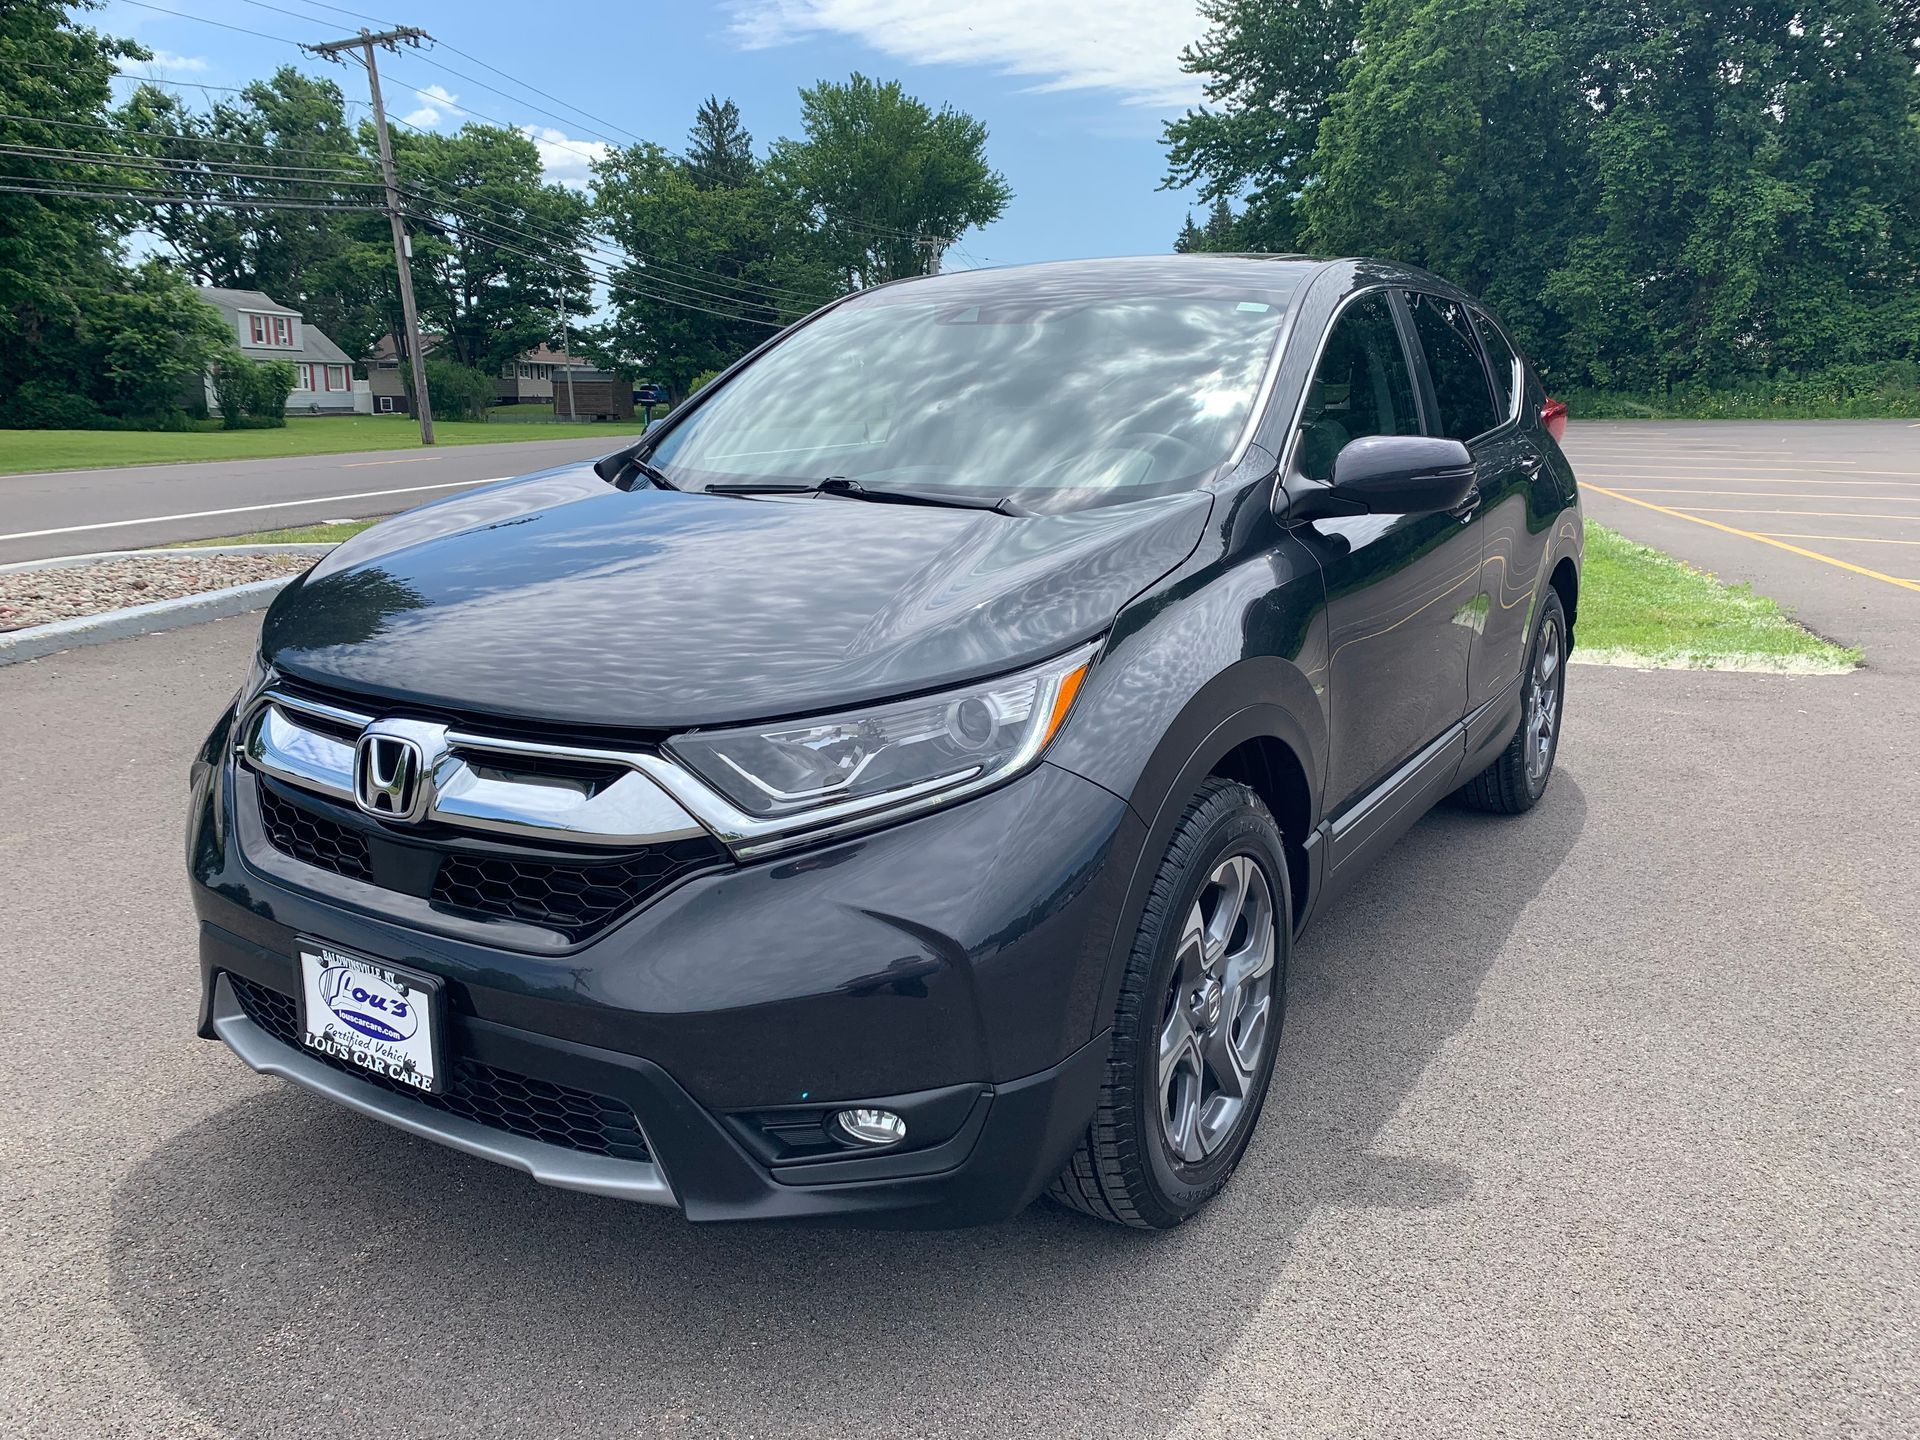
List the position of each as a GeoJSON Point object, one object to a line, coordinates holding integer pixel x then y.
{"type": "Point", "coordinates": [1553, 415]}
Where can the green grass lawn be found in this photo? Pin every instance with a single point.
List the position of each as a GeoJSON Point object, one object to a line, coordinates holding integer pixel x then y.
{"type": "Point", "coordinates": [296, 535]}
{"type": "Point", "coordinates": [1639, 606]}
{"type": "Point", "coordinates": [23, 450]}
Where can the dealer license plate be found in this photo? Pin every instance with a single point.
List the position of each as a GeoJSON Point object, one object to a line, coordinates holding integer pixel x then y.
{"type": "Point", "coordinates": [371, 1014]}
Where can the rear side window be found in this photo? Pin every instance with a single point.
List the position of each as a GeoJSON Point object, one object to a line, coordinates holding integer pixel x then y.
{"type": "Point", "coordinates": [1502, 361]}
{"type": "Point", "coordinates": [1453, 359]}
{"type": "Point", "coordinates": [1362, 386]}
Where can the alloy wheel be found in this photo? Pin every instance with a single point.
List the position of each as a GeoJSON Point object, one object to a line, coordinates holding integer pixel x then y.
{"type": "Point", "coordinates": [1217, 1017]}
{"type": "Point", "coordinates": [1543, 702]}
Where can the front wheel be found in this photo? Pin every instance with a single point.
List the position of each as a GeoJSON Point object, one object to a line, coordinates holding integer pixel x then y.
{"type": "Point", "coordinates": [1518, 778]}
{"type": "Point", "coordinates": [1198, 1020]}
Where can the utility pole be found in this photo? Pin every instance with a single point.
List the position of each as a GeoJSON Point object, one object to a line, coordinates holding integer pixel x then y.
{"type": "Point", "coordinates": [566, 349]}
{"type": "Point", "coordinates": [933, 245]}
{"type": "Point", "coordinates": [365, 42]}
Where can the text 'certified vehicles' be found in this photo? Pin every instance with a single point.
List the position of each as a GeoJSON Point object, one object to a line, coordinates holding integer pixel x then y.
{"type": "Point", "coordinates": [893, 786]}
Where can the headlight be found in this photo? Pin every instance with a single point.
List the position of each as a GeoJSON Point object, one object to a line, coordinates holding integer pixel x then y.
{"type": "Point", "coordinates": [905, 755]}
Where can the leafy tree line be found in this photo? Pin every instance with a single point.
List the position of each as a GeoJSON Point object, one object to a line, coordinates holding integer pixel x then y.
{"type": "Point", "coordinates": [1654, 193]}
{"type": "Point", "coordinates": [690, 258]}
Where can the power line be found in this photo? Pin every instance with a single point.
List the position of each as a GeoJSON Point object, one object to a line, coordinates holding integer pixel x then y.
{"type": "Point", "coordinates": [756, 292]}
{"type": "Point", "coordinates": [601, 273]}
{"type": "Point", "coordinates": [162, 198]}
{"type": "Point", "coordinates": [220, 24]}
{"type": "Point", "coordinates": [134, 132]}
{"type": "Point", "coordinates": [293, 174]}
{"type": "Point", "coordinates": [442, 44]}
{"type": "Point", "coordinates": [303, 17]}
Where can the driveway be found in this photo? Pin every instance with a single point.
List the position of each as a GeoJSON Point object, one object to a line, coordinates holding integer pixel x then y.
{"type": "Point", "coordinates": [74, 512]}
{"type": "Point", "coordinates": [1823, 515]}
{"type": "Point", "coordinates": [1602, 1121]}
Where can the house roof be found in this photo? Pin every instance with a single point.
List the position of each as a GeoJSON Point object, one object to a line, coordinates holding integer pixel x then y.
{"type": "Point", "coordinates": [316, 346]}
{"type": "Point", "coordinates": [544, 354]}
{"type": "Point", "coordinates": [243, 300]}
{"type": "Point", "coordinates": [387, 349]}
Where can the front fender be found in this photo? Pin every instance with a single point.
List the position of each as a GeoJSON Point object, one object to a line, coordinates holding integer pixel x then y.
{"type": "Point", "coordinates": [1229, 651]}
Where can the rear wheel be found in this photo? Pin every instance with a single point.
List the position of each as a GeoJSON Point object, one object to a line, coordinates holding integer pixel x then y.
{"type": "Point", "coordinates": [1198, 1020]}
{"type": "Point", "coordinates": [1516, 781]}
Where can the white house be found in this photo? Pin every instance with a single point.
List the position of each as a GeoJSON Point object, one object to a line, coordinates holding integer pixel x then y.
{"type": "Point", "coordinates": [267, 331]}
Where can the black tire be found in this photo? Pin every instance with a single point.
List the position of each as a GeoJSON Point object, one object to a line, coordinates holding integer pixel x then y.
{"type": "Point", "coordinates": [1125, 1168]}
{"type": "Point", "coordinates": [1511, 785]}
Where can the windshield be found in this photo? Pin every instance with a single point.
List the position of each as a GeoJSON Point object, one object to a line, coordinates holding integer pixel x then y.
{"type": "Point", "coordinates": [1057, 396]}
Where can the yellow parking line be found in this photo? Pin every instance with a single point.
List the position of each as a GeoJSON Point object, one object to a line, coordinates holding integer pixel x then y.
{"type": "Point", "coordinates": [1913, 585]}
{"type": "Point", "coordinates": [1803, 514]}
{"type": "Point", "coordinates": [1750, 479]}
{"type": "Point", "coordinates": [1850, 539]}
{"type": "Point", "coordinates": [1766, 494]}
{"type": "Point", "coordinates": [1687, 472]}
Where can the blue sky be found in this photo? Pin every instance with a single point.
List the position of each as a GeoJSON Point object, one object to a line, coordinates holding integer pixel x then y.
{"type": "Point", "coordinates": [1074, 92]}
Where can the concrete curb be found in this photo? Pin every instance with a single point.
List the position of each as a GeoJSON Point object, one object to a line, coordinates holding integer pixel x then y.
{"type": "Point", "coordinates": [37, 641]}
{"type": "Point", "coordinates": [67, 562]}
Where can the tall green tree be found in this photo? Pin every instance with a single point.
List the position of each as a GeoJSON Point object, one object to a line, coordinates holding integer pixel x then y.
{"type": "Point", "coordinates": [496, 246]}
{"type": "Point", "coordinates": [1269, 72]}
{"type": "Point", "coordinates": [286, 139]}
{"type": "Point", "coordinates": [712, 269]}
{"type": "Point", "coordinates": [1651, 192]}
{"type": "Point", "coordinates": [1450, 144]}
{"type": "Point", "coordinates": [719, 149]}
{"type": "Point", "coordinates": [83, 337]}
{"type": "Point", "coordinates": [886, 177]}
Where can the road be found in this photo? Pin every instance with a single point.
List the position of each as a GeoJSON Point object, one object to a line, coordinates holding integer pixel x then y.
{"type": "Point", "coordinates": [74, 512]}
{"type": "Point", "coordinates": [1823, 514]}
{"type": "Point", "coordinates": [1603, 1121]}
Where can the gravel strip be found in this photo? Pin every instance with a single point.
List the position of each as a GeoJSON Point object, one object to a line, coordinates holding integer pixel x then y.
{"type": "Point", "coordinates": [35, 597]}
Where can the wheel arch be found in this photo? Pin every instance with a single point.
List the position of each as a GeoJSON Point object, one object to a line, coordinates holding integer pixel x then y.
{"type": "Point", "coordinates": [1263, 744]}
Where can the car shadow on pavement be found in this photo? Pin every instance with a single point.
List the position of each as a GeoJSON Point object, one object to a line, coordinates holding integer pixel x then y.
{"type": "Point", "coordinates": [290, 1268]}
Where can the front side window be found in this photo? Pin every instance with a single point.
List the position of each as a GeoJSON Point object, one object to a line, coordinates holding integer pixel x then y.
{"type": "Point", "coordinates": [1061, 396]}
{"type": "Point", "coordinates": [1453, 361]}
{"type": "Point", "coordinates": [1361, 386]}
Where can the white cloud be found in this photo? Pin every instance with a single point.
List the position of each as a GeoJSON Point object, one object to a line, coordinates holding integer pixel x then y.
{"type": "Point", "coordinates": [164, 63]}
{"type": "Point", "coordinates": [1130, 47]}
{"type": "Point", "coordinates": [436, 100]}
{"type": "Point", "coordinates": [564, 158]}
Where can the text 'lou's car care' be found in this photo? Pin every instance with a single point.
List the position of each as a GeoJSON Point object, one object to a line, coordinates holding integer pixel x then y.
{"type": "Point", "coordinates": [893, 787]}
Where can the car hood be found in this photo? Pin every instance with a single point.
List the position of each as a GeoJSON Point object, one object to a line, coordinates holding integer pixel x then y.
{"type": "Point", "coordinates": [560, 600]}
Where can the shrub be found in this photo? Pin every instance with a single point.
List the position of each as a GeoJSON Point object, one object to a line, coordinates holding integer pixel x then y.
{"type": "Point", "coordinates": [38, 405]}
{"type": "Point", "coordinates": [458, 390]}
{"type": "Point", "coordinates": [252, 394]}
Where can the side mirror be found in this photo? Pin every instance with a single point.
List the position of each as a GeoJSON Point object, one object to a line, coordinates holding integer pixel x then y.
{"type": "Point", "coordinates": [1390, 475]}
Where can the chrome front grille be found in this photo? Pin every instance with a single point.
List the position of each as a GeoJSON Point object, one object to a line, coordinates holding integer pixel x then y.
{"type": "Point", "coordinates": [567, 839]}
{"type": "Point", "coordinates": [473, 782]}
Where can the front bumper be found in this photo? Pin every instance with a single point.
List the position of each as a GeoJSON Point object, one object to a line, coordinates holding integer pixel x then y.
{"type": "Point", "coordinates": [948, 967]}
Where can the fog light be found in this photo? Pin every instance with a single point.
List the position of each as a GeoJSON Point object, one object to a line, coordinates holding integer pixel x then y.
{"type": "Point", "coordinates": [870, 1127]}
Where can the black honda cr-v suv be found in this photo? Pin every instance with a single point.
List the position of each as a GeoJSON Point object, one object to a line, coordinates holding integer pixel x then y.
{"type": "Point", "coordinates": [892, 787]}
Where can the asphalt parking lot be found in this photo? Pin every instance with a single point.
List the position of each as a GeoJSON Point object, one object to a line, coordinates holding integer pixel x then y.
{"type": "Point", "coordinates": [1822, 514]}
{"type": "Point", "coordinates": [1599, 1121]}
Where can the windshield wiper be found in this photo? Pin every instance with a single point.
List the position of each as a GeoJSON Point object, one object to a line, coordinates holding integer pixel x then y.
{"type": "Point", "coordinates": [651, 473]}
{"type": "Point", "coordinates": [880, 495]}
{"type": "Point", "coordinates": [620, 468]}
